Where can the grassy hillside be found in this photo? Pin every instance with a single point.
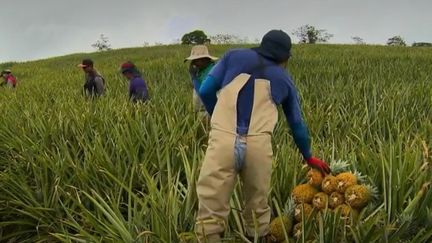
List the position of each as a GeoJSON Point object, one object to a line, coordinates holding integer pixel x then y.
{"type": "Point", "coordinates": [75, 170]}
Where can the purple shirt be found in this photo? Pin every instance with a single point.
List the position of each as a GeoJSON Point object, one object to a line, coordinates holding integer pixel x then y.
{"type": "Point", "coordinates": [138, 89]}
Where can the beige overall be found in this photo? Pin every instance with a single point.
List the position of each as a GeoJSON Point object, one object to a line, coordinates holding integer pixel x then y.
{"type": "Point", "coordinates": [218, 174]}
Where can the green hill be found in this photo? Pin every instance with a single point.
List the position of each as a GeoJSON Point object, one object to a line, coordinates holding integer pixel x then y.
{"type": "Point", "coordinates": [76, 170]}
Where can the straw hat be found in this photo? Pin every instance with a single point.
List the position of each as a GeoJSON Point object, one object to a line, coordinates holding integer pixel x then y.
{"type": "Point", "coordinates": [199, 51]}
{"type": "Point", "coordinates": [6, 71]}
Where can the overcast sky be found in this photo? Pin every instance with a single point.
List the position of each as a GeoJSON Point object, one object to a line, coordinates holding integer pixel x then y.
{"type": "Point", "coordinates": [33, 29]}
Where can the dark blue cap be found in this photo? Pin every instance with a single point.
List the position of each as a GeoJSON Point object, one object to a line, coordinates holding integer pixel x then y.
{"type": "Point", "coordinates": [275, 45]}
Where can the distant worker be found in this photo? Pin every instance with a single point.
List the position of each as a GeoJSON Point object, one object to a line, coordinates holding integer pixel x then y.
{"type": "Point", "coordinates": [201, 64]}
{"type": "Point", "coordinates": [94, 82]}
{"type": "Point", "coordinates": [8, 79]}
{"type": "Point", "coordinates": [137, 86]}
{"type": "Point", "coordinates": [251, 83]}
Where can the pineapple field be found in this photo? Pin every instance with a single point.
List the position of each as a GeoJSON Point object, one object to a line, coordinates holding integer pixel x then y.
{"type": "Point", "coordinates": [107, 170]}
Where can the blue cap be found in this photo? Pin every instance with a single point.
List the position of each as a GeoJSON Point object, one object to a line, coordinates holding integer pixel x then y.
{"type": "Point", "coordinates": [275, 45]}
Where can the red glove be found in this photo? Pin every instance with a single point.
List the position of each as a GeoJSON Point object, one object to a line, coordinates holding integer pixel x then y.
{"type": "Point", "coordinates": [319, 165]}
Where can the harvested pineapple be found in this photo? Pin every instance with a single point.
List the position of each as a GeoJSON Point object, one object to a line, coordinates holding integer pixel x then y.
{"type": "Point", "coordinates": [358, 196]}
{"type": "Point", "coordinates": [315, 177]}
{"type": "Point", "coordinates": [345, 180]}
{"type": "Point", "coordinates": [307, 211]}
{"type": "Point", "coordinates": [320, 200]}
{"type": "Point", "coordinates": [342, 192]}
{"type": "Point", "coordinates": [329, 184]}
{"type": "Point", "coordinates": [303, 193]}
{"type": "Point", "coordinates": [336, 199]}
{"type": "Point", "coordinates": [277, 228]}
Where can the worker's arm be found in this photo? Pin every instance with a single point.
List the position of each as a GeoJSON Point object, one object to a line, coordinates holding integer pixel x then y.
{"type": "Point", "coordinates": [291, 108]}
{"type": "Point", "coordinates": [213, 83]}
{"type": "Point", "coordinates": [299, 130]}
{"type": "Point", "coordinates": [207, 93]}
{"type": "Point", "coordinates": [193, 72]}
{"type": "Point", "coordinates": [132, 90]}
{"type": "Point", "coordinates": [196, 84]}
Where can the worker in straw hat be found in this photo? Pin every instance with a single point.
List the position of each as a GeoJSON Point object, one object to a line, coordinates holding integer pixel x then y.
{"type": "Point", "coordinates": [201, 62]}
{"type": "Point", "coordinates": [251, 83]}
{"type": "Point", "coordinates": [9, 80]}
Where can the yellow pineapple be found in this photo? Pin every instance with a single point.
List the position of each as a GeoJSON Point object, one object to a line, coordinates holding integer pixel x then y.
{"type": "Point", "coordinates": [307, 211]}
{"type": "Point", "coordinates": [336, 199]}
{"type": "Point", "coordinates": [329, 184]}
{"type": "Point", "coordinates": [320, 200]}
{"type": "Point", "coordinates": [345, 180]}
{"type": "Point", "coordinates": [357, 196]}
{"type": "Point", "coordinates": [276, 232]}
{"type": "Point", "coordinates": [315, 177]}
{"type": "Point", "coordinates": [303, 193]}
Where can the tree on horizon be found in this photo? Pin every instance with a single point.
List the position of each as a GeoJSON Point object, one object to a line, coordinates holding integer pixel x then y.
{"type": "Point", "coordinates": [310, 34]}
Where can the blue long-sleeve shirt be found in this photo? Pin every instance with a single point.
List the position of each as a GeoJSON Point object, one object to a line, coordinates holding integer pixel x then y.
{"type": "Point", "coordinates": [198, 78]}
{"type": "Point", "coordinates": [283, 91]}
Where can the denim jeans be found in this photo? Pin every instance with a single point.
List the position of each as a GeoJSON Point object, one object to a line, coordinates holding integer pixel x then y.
{"type": "Point", "coordinates": [239, 152]}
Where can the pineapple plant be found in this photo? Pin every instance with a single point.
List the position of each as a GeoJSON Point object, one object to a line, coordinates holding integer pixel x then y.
{"type": "Point", "coordinates": [46, 129]}
{"type": "Point", "coordinates": [336, 199]}
{"type": "Point", "coordinates": [320, 200]}
{"type": "Point", "coordinates": [304, 193]}
{"type": "Point", "coordinates": [307, 211]}
{"type": "Point", "coordinates": [357, 196]}
{"type": "Point", "coordinates": [277, 226]}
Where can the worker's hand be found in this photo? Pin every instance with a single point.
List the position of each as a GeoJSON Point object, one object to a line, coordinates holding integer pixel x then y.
{"type": "Point", "coordinates": [193, 70]}
{"type": "Point", "coordinates": [319, 165]}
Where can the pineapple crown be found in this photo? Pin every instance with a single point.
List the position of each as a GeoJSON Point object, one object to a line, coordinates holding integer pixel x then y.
{"type": "Point", "coordinates": [373, 191]}
{"type": "Point", "coordinates": [338, 166]}
{"type": "Point", "coordinates": [374, 205]}
{"type": "Point", "coordinates": [360, 178]}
